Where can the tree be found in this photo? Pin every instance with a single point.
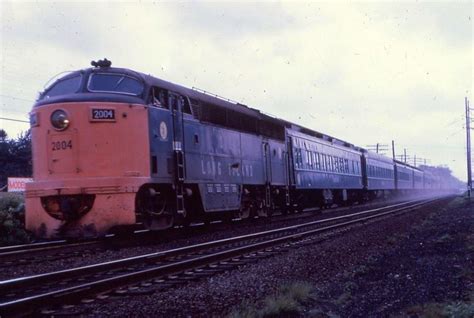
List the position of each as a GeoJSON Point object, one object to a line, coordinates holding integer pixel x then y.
{"type": "Point", "coordinates": [3, 135]}
{"type": "Point", "coordinates": [15, 156]}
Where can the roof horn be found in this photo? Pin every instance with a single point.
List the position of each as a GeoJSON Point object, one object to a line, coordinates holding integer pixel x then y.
{"type": "Point", "coordinates": [101, 63]}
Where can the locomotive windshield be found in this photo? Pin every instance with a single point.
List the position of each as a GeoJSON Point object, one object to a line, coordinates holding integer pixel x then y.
{"type": "Point", "coordinates": [114, 83]}
{"type": "Point", "coordinates": [65, 86]}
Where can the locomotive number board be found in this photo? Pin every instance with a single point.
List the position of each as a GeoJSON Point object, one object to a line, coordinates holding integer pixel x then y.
{"type": "Point", "coordinates": [102, 114]}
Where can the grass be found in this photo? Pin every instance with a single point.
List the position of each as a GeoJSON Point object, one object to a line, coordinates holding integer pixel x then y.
{"type": "Point", "coordinates": [445, 238]}
{"type": "Point", "coordinates": [441, 310]}
{"type": "Point", "coordinates": [286, 302]}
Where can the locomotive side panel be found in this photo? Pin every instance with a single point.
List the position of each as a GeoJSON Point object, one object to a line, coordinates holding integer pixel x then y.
{"type": "Point", "coordinates": [212, 154]}
{"type": "Point", "coordinates": [161, 145]}
{"type": "Point", "coordinates": [252, 168]}
{"type": "Point", "coordinates": [214, 162]}
{"type": "Point", "coordinates": [279, 163]}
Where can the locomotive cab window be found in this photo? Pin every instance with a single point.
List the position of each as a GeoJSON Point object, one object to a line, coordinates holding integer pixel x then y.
{"type": "Point", "coordinates": [63, 87]}
{"type": "Point", "coordinates": [158, 97]}
{"type": "Point", "coordinates": [186, 106]}
{"type": "Point", "coordinates": [114, 83]}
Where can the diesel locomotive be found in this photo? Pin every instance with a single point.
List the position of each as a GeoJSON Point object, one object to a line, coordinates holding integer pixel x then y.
{"type": "Point", "coordinates": [113, 148]}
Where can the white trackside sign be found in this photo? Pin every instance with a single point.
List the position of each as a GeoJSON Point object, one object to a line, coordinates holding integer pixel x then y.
{"type": "Point", "coordinates": [17, 184]}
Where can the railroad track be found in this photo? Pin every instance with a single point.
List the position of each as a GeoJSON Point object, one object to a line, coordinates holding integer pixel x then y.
{"type": "Point", "coordinates": [151, 272]}
{"type": "Point", "coordinates": [37, 253]}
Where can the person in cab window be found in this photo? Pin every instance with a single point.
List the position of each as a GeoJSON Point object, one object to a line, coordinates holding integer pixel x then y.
{"type": "Point", "coordinates": [162, 98]}
{"type": "Point", "coordinates": [155, 98]}
{"type": "Point", "coordinates": [156, 101]}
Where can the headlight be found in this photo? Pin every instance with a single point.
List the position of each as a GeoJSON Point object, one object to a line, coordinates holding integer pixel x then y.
{"type": "Point", "coordinates": [59, 119]}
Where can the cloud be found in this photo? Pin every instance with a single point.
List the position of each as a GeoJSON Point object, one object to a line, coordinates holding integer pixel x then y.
{"type": "Point", "coordinates": [232, 20]}
{"type": "Point", "coordinates": [363, 72]}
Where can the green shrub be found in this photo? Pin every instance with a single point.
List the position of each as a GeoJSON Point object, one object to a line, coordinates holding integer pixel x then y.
{"type": "Point", "coordinates": [11, 201]}
{"type": "Point", "coordinates": [459, 309]}
{"type": "Point", "coordinates": [12, 219]}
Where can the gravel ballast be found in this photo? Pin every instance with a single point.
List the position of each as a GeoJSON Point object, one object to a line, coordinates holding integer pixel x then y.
{"type": "Point", "coordinates": [406, 266]}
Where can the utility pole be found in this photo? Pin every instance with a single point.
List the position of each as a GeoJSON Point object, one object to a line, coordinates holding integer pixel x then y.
{"type": "Point", "coordinates": [405, 152]}
{"type": "Point", "coordinates": [468, 147]}
{"type": "Point", "coordinates": [393, 149]}
{"type": "Point", "coordinates": [395, 172]}
{"type": "Point", "coordinates": [378, 148]}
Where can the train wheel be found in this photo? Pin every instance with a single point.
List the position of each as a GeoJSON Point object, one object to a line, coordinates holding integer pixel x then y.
{"type": "Point", "coordinates": [245, 212]}
{"type": "Point", "coordinates": [158, 221]}
{"type": "Point", "coordinates": [263, 211]}
{"type": "Point", "coordinates": [157, 212]}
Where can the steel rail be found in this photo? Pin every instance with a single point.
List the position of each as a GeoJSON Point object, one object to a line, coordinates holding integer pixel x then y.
{"type": "Point", "coordinates": [40, 247]}
{"type": "Point", "coordinates": [166, 269]}
{"type": "Point", "coordinates": [30, 250]}
{"type": "Point", "coordinates": [16, 248]}
{"type": "Point", "coordinates": [6, 252]}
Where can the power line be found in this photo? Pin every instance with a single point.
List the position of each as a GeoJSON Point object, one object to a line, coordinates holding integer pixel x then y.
{"type": "Point", "coordinates": [455, 133]}
{"type": "Point", "coordinates": [11, 110]}
{"type": "Point", "coordinates": [13, 97]}
{"type": "Point", "coordinates": [12, 119]}
{"type": "Point", "coordinates": [456, 121]}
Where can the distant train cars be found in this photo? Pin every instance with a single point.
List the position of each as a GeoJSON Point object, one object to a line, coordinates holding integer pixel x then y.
{"type": "Point", "coordinates": [379, 174]}
{"type": "Point", "coordinates": [113, 147]}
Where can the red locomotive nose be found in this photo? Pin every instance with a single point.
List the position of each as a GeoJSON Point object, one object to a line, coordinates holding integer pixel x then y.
{"type": "Point", "coordinates": [82, 176]}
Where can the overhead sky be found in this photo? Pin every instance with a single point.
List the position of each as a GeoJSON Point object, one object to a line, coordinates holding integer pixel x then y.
{"type": "Point", "coordinates": [364, 72]}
